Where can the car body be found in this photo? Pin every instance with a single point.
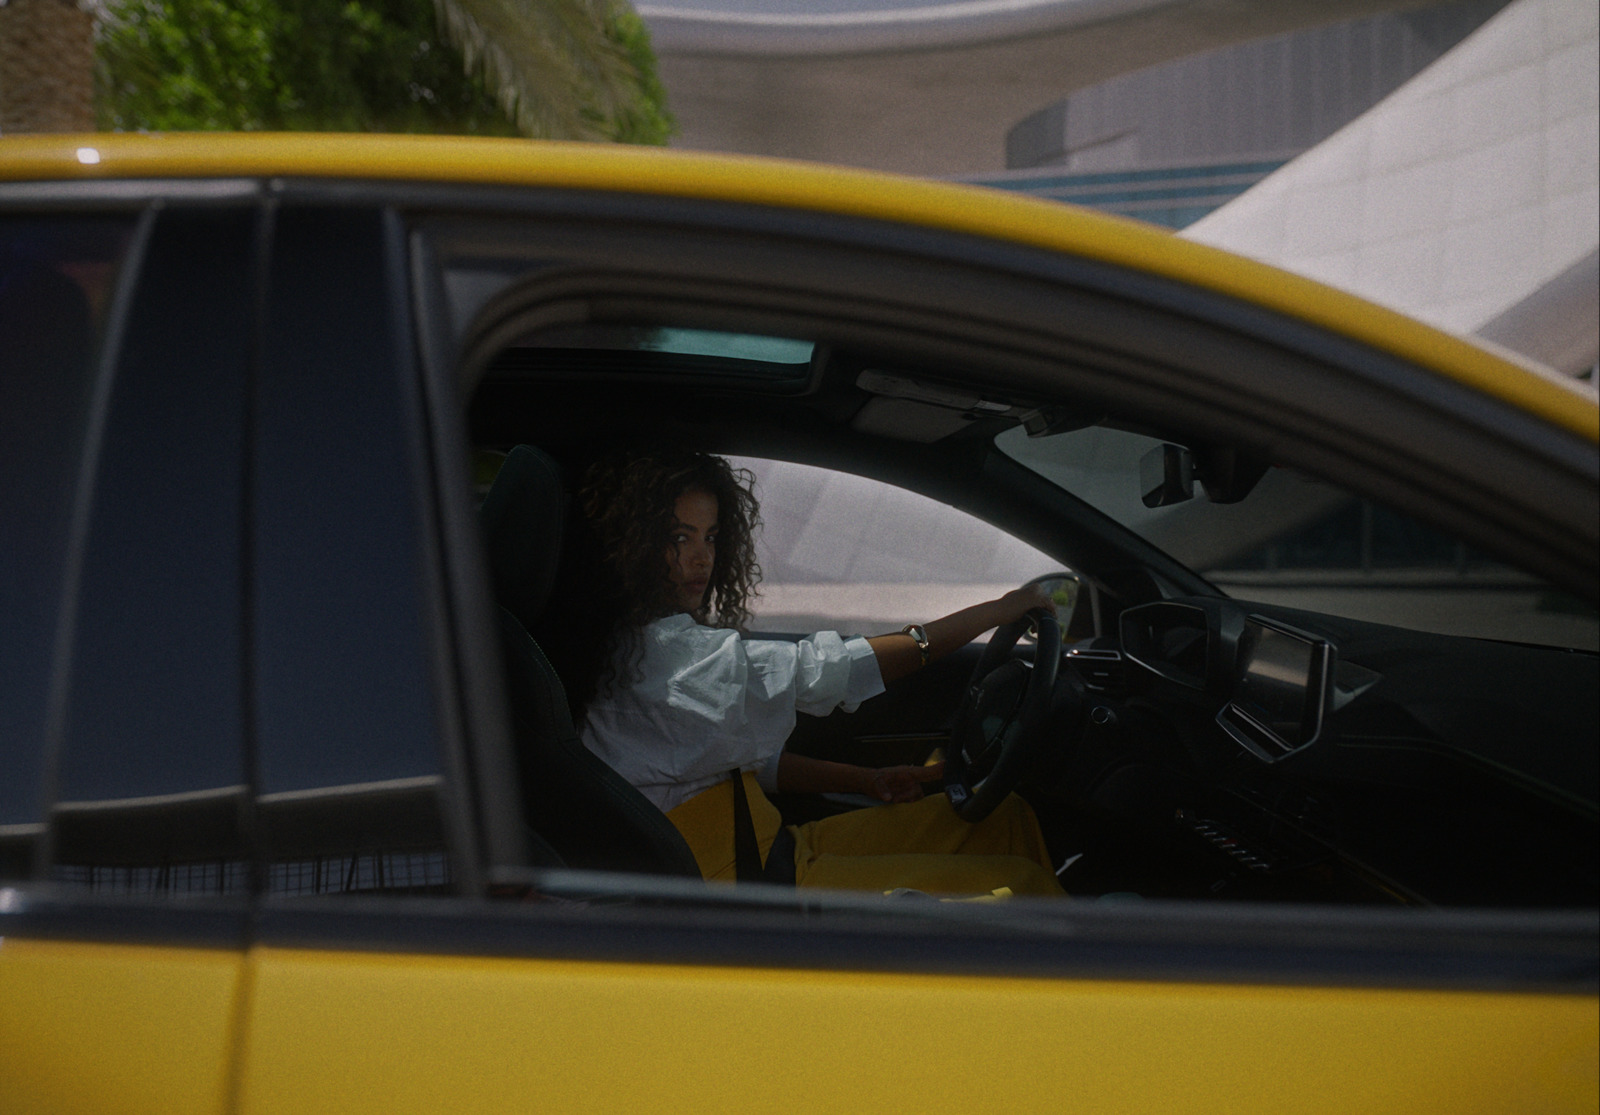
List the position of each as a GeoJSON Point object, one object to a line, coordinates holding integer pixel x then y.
{"type": "Point", "coordinates": [263, 844]}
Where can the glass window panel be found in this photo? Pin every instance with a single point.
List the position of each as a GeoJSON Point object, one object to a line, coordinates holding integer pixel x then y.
{"type": "Point", "coordinates": [687, 342]}
{"type": "Point", "coordinates": [341, 633]}
{"type": "Point", "coordinates": [843, 552]}
{"type": "Point", "coordinates": [1300, 542]}
{"type": "Point", "coordinates": [57, 277]}
{"type": "Point", "coordinates": [151, 780]}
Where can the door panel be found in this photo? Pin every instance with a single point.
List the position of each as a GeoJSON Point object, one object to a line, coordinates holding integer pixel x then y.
{"type": "Point", "coordinates": [369, 1032]}
{"type": "Point", "coordinates": [131, 1029]}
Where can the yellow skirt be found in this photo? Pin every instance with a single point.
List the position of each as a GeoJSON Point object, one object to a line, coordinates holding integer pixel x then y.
{"type": "Point", "coordinates": [921, 844]}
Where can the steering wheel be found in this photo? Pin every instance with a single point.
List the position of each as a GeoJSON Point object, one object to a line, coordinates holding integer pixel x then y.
{"type": "Point", "coordinates": [999, 727]}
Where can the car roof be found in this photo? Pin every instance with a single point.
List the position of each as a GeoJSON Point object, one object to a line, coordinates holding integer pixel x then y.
{"type": "Point", "coordinates": [941, 206]}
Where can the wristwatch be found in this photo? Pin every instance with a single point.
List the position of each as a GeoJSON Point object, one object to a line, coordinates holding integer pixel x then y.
{"type": "Point", "coordinates": [920, 636]}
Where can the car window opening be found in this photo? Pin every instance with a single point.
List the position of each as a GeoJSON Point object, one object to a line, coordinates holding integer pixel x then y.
{"type": "Point", "coordinates": [1298, 547]}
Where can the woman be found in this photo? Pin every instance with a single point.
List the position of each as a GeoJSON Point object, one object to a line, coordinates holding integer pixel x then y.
{"type": "Point", "coordinates": [670, 695]}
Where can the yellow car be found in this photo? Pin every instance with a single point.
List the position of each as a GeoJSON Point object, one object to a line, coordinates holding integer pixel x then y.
{"type": "Point", "coordinates": [291, 817]}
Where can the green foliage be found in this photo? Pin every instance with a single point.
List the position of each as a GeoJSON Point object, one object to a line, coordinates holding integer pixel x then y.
{"type": "Point", "coordinates": [337, 65]}
{"type": "Point", "coordinates": [645, 119]}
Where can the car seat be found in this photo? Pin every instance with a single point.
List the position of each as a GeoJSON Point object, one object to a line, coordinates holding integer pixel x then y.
{"type": "Point", "coordinates": [586, 811]}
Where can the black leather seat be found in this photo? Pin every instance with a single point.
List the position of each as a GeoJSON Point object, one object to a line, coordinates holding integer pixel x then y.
{"type": "Point", "coordinates": [579, 805]}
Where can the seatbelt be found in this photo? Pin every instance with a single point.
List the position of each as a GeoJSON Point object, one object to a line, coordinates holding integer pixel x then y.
{"type": "Point", "coordinates": [746, 850]}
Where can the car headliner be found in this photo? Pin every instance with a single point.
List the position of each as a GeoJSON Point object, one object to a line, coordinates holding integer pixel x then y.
{"type": "Point", "coordinates": [741, 180]}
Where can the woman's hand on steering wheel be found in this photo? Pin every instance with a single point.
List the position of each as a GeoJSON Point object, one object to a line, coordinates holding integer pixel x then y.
{"type": "Point", "coordinates": [1020, 601]}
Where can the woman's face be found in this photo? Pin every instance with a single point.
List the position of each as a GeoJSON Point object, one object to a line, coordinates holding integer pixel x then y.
{"type": "Point", "coordinates": [693, 550]}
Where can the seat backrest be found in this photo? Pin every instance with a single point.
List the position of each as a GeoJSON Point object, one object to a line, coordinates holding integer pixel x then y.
{"type": "Point", "coordinates": [577, 803]}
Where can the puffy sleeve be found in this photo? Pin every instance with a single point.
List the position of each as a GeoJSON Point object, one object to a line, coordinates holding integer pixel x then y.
{"type": "Point", "coordinates": [707, 701]}
{"type": "Point", "coordinates": [824, 671]}
{"type": "Point", "coordinates": [828, 673]}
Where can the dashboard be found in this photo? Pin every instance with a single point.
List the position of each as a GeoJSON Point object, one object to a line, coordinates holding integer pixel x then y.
{"type": "Point", "coordinates": [1292, 755]}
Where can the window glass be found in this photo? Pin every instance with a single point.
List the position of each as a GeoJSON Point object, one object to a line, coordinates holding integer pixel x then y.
{"type": "Point", "coordinates": [1299, 542]}
{"type": "Point", "coordinates": [685, 342]}
{"type": "Point", "coordinates": [347, 715]}
{"type": "Point", "coordinates": [57, 276]}
{"type": "Point", "coordinates": [847, 553]}
{"type": "Point", "coordinates": [151, 779]}
{"type": "Point", "coordinates": [345, 696]}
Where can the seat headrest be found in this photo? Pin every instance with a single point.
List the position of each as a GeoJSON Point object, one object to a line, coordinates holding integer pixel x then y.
{"type": "Point", "coordinates": [522, 519]}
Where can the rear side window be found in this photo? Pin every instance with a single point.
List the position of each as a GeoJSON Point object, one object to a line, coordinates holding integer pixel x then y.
{"type": "Point", "coordinates": [150, 781]}
{"type": "Point", "coordinates": [347, 710]}
{"type": "Point", "coordinates": [215, 625]}
{"type": "Point", "coordinates": [58, 278]}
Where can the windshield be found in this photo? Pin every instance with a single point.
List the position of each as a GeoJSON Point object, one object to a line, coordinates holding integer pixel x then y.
{"type": "Point", "coordinates": [1299, 542]}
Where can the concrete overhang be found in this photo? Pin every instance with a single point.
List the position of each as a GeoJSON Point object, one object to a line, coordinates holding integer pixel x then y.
{"type": "Point", "coordinates": [1559, 323]}
{"type": "Point", "coordinates": [926, 88]}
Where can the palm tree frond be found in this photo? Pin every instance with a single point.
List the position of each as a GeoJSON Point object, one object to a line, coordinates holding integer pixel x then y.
{"type": "Point", "coordinates": [551, 63]}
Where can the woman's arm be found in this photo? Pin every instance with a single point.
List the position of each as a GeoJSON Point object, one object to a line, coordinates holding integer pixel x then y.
{"type": "Point", "coordinates": [899, 656]}
{"type": "Point", "coordinates": [801, 774]}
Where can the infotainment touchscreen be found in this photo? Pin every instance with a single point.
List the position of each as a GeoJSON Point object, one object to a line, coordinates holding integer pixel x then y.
{"type": "Point", "coordinates": [1277, 700]}
{"type": "Point", "coordinates": [1277, 674]}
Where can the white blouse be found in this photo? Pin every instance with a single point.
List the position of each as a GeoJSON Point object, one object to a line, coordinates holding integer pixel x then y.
{"type": "Point", "coordinates": [701, 701]}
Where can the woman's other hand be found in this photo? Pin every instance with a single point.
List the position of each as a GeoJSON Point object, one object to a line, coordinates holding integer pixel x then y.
{"type": "Point", "coordinates": [801, 774]}
{"type": "Point", "coordinates": [896, 784]}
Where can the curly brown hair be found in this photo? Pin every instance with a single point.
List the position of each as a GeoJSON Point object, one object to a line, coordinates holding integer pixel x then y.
{"type": "Point", "coordinates": [631, 503]}
{"type": "Point", "coordinates": [614, 577]}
